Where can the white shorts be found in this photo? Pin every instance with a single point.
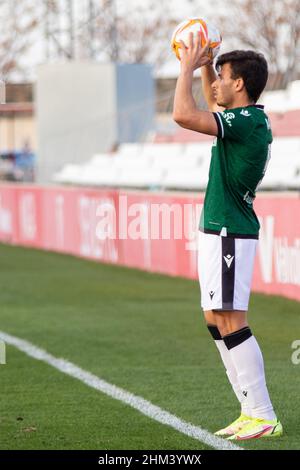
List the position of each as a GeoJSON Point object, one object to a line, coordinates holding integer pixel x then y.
{"type": "Point", "coordinates": [225, 268]}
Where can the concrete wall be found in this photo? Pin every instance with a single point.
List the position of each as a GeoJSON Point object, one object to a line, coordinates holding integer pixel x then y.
{"type": "Point", "coordinates": [86, 108]}
{"type": "Point", "coordinates": [75, 114]}
{"type": "Point", "coordinates": [135, 101]}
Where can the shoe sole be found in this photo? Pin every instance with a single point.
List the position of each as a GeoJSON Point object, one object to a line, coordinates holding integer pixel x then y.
{"type": "Point", "coordinates": [257, 436]}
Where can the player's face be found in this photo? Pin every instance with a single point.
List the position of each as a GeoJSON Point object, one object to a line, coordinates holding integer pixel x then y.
{"type": "Point", "coordinates": [223, 87]}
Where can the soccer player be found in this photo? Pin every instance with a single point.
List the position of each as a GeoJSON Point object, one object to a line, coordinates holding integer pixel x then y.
{"type": "Point", "coordinates": [229, 227]}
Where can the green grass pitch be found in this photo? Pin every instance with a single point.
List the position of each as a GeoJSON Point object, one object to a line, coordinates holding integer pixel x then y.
{"type": "Point", "coordinates": [142, 332]}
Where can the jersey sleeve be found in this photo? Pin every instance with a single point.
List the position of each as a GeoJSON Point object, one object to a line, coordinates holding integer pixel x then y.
{"type": "Point", "coordinates": [235, 124]}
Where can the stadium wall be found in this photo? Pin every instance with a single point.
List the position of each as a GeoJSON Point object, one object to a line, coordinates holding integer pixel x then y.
{"type": "Point", "coordinates": [113, 226]}
{"type": "Point", "coordinates": [85, 108]}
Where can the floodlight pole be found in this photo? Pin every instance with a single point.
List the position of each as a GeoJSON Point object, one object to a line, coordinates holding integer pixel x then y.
{"type": "Point", "coordinates": [91, 26]}
{"type": "Point", "coordinates": [47, 30]}
{"type": "Point", "coordinates": [114, 30]}
{"type": "Point", "coordinates": [71, 29]}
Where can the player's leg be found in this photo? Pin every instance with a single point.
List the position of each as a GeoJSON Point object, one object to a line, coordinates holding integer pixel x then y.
{"type": "Point", "coordinates": [212, 321]}
{"type": "Point", "coordinates": [249, 364]}
{"type": "Point", "coordinates": [248, 361]}
{"type": "Point", "coordinates": [242, 345]}
{"type": "Point", "coordinates": [225, 296]}
{"type": "Point", "coordinates": [230, 321]}
{"type": "Point", "coordinates": [240, 342]}
{"type": "Point", "coordinates": [245, 369]}
{"type": "Point", "coordinates": [209, 270]}
{"type": "Point", "coordinates": [210, 261]}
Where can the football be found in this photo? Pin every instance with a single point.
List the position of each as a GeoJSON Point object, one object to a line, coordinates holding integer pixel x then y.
{"type": "Point", "coordinates": [196, 26]}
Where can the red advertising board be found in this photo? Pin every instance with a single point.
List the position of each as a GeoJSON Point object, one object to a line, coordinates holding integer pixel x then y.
{"type": "Point", "coordinates": [152, 231]}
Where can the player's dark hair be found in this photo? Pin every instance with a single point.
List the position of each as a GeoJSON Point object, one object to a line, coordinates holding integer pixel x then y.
{"type": "Point", "coordinates": [251, 66]}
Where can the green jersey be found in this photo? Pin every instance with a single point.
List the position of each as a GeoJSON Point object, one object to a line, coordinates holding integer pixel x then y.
{"type": "Point", "coordinates": [239, 159]}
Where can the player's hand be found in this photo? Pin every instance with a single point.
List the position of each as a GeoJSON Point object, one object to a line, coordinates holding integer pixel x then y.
{"type": "Point", "coordinates": [194, 56]}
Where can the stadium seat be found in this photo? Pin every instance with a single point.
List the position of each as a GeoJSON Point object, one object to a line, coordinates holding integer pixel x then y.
{"type": "Point", "coordinates": [95, 176]}
{"type": "Point", "coordinates": [102, 160]}
{"type": "Point", "coordinates": [130, 149]}
{"type": "Point", "coordinates": [139, 178]}
{"type": "Point", "coordinates": [281, 172]}
{"type": "Point", "coordinates": [69, 174]}
{"type": "Point", "coordinates": [201, 150]}
{"type": "Point", "coordinates": [162, 150]}
{"type": "Point", "coordinates": [130, 161]}
{"type": "Point", "coordinates": [190, 179]}
{"type": "Point", "coordinates": [176, 166]}
{"type": "Point", "coordinates": [283, 100]}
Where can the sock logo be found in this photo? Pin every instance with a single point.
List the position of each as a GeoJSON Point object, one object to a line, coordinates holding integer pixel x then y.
{"type": "Point", "coordinates": [245, 393]}
{"type": "Point", "coordinates": [228, 260]}
{"type": "Point", "coordinates": [211, 294]}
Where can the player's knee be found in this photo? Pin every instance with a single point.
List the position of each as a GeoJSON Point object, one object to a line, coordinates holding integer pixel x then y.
{"type": "Point", "coordinates": [209, 317]}
{"type": "Point", "coordinates": [222, 323]}
{"type": "Point", "coordinates": [223, 329]}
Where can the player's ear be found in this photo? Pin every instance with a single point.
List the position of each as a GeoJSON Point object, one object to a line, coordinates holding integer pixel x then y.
{"type": "Point", "coordinates": [239, 84]}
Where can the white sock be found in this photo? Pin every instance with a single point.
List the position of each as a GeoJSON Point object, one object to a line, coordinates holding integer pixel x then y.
{"type": "Point", "coordinates": [248, 361]}
{"type": "Point", "coordinates": [232, 376]}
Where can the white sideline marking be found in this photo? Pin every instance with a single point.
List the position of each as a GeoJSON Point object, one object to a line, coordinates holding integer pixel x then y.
{"type": "Point", "coordinates": [143, 406]}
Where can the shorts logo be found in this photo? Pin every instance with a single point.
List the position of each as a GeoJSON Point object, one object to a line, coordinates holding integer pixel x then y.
{"type": "Point", "coordinates": [245, 393]}
{"type": "Point", "coordinates": [211, 294]}
{"type": "Point", "coordinates": [228, 260]}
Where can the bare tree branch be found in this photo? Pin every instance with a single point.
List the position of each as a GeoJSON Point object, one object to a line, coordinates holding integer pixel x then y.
{"type": "Point", "coordinates": [19, 20]}
{"type": "Point", "coordinates": [270, 26]}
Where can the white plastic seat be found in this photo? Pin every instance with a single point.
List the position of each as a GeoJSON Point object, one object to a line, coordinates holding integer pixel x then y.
{"type": "Point", "coordinates": [123, 162]}
{"type": "Point", "coordinates": [101, 160]}
{"type": "Point", "coordinates": [108, 177]}
{"type": "Point", "coordinates": [191, 178]}
{"type": "Point", "coordinates": [130, 150]}
{"type": "Point", "coordinates": [286, 146]}
{"type": "Point", "coordinates": [139, 178]}
{"type": "Point", "coordinates": [162, 150]}
{"type": "Point", "coordinates": [280, 174]}
{"type": "Point", "coordinates": [295, 182]}
{"type": "Point", "coordinates": [70, 173]}
{"type": "Point", "coordinates": [201, 150]}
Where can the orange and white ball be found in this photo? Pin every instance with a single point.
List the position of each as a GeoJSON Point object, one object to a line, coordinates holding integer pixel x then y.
{"type": "Point", "coordinates": [196, 26]}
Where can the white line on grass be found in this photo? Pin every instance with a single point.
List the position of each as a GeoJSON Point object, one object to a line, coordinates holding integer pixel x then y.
{"type": "Point", "coordinates": [143, 406]}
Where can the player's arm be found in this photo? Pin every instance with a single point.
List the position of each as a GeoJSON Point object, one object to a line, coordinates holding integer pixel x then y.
{"type": "Point", "coordinates": [185, 111]}
{"type": "Point", "coordinates": [208, 77]}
